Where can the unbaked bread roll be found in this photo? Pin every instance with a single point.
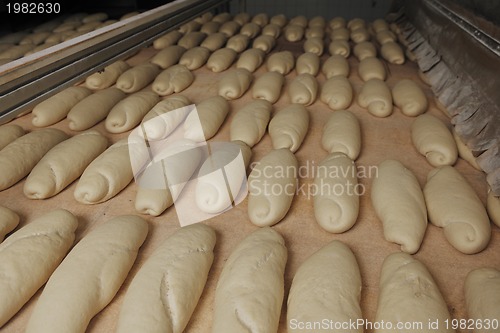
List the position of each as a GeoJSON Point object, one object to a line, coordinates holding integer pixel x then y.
{"type": "Point", "coordinates": [30, 255]}
{"type": "Point", "coordinates": [251, 287]}
{"type": "Point", "coordinates": [242, 18]}
{"type": "Point", "coordinates": [337, 93]}
{"type": "Point", "coordinates": [222, 17]}
{"type": "Point", "coordinates": [250, 29]}
{"type": "Point", "coordinates": [376, 97]}
{"type": "Point", "coordinates": [289, 127]}
{"type": "Point", "coordinates": [204, 18]}
{"type": "Point", "coordinates": [337, 22]}
{"type": "Point", "coordinates": [453, 204]}
{"type": "Point", "coordinates": [307, 63]}
{"type": "Point", "coordinates": [268, 86]}
{"type": "Point", "coordinates": [326, 285]}
{"type": "Point", "coordinates": [16, 51]}
{"type": "Point", "coordinates": [19, 157]}
{"type": "Point", "coordinates": [340, 34]}
{"type": "Point", "coordinates": [279, 19]}
{"type": "Point", "coordinates": [493, 207]}
{"type": "Point", "coordinates": [152, 201]}
{"type": "Point", "coordinates": [409, 97]}
{"type": "Point", "coordinates": [165, 116]}
{"type": "Point", "coordinates": [214, 41]}
{"type": "Point", "coordinates": [399, 203]}
{"type": "Point", "coordinates": [281, 62]}
{"type": "Point", "coordinates": [88, 27]}
{"type": "Point", "coordinates": [317, 21]}
{"type": "Point", "coordinates": [272, 30]}
{"type": "Point", "coordinates": [63, 164]}
{"type": "Point", "coordinates": [482, 297]}
{"type": "Point", "coordinates": [293, 32]}
{"type": "Point", "coordinates": [335, 65]}
{"type": "Point", "coordinates": [56, 108]}
{"type": "Point", "coordinates": [342, 134]}
{"type": "Point", "coordinates": [35, 38]}
{"type": "Point", "coordinates": [167, 57]}
{"type": "Point", "coordinates": [229, 28]}
{"type": "Point", "coordinates": [172, 80]}
{"type": "Point", "coordinates": [94, 108]}
{"type": "Point", "coordinates": [192, 39]}
{"type": "Point", "coordinates": [190, 26]}
{"type": "Point", "coordinates": [195, 57]}
{"type": "Point", "coordinates": [9, 133]}
{"type": "Point", "coordinates": [108, 76]}
{"type": "Point", "coordinates": [89, 277]}
{"type": "Point", "coordinates": [238, 43]}
{"type": "Point", "coordinates": [364, 50]}
{"type": "Point", "coordinates": [380, 25]}
{"type": "Point", "coordinates": [95, 17]}
{"type": "Point", "coordinates": [137, 77]}
{"type": "Point", "coordinates": [261, 19]}
{"type": "Point", "coordinates": [314, 45]}
{"type": "Point", "coordinates": [129, 112]}
{"type": "Point", "coordinates": [235, 83]}
{"type": "Point", "coordinates": [250, 122]}
{"type": "Point", "coordinates": [434, 140]}
{"type": "Point", "coordinates": [371, 68]}
{"type": "Point", "coordinates": [251, 59]}
{"type": "Point", "coordinates": [8, 222]}
{"type": "Point", "coordinates": [264, 42]}
{"type": "Point", "coordinates": [385, 36]}
{"type": "Point", "coordinates": [221, 59]}
{"type": "Point", "coordinates": [303, 89]}
{"type": "Point", "coordinates": [408, 294]}
{"type": "Point", "coordinates": [339, 47]}
{"type": "Point", "coordinates": [359, 35]}
{"type": "Point", "coordinates": [165, 291]}
{"type": "Point", "coordinates": [393, 53]}
{"type": "Point", "coordinates": [210, 28]}
{"type": "Point", "coordinates": [299, 20]}
{"type": "Point", "coordinates": [315, 32]}
{"type": "Point", "coordinates": [356, 23]}
{"type": "Point", "coordinates": [210, 114]}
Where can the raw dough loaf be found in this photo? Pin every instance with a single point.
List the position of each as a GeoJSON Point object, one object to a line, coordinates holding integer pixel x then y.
{"type": "Point", "coordinates": [211, 114]}
{"type": "Point", "coordinates": [195, 57]}
{"type": "Point", "coordinates": [235, 83]}
{"type": "Point", "coordinates": [356, 23]}
{"type": "Point", "coordinates": [359, 35]}
{"type": "Point", "coordinates": [250, 122]}
{"type": "Point", "coordinates": [379, 25]}
{"type": "Point", "coordinates": [129, 112]}
{"type": "Point", "coordinates": [89, 277]}
{"type": "Point", "coordinates": [251, 59]}
{"type": "Point", "coordinates": [221, 60]}
{"type": "Point", "coordinates": [165, 291]}
{"type": "Point", "coordinates": [165, 116]}
{"type": "Point", "coordinates": [317, 21]}
{"type": "Point", "coordinates": [152, 201]}
{"type": "Point", "coordinates": [189, 27]}
{"type": "Point", "coordinates": [8, 222]}
{"type": "Point", "coordinates": [317, 32]}
{"type": "Point", "coordinates": [9, 133]}
{"type": "Point", "coordinates": [19, 157]}
{"type": "Point", "coordinates": [16, 51]}
{"type": "Point", "coordinates": [272, 30]}
{"type": "Point", "coordinates": [463, 151]}
{"type": "Point", "coordinates": [250, 289]}
{"type": "Point", "coordinates": [167, 57]}
{"type": "Point", "coordinates": [335, 65]}
{"type": "Point", "coordinates": [264, 42]}
{"type": "Point", "coordinates": [36, 38]}
{"type": "Point", "coordinates": [376, 97]}
{"type": "Point", "coordinates": [294, 33]}
{"type": "Point", "coordinates": [172, 80]}
{"type": "Point", "coordinates": [410, 98]}
{"type": "Point", "coordinates": [204, 18]}
{"type": "Point", "coordinates": [364, 50]}
{"type": "Point", "coordinates": [371, 68]}
{"type": "Point", "coordinates": [94, 108]}
{"type": "Point", "coordinates": [279, 19]}
{"type": "Point", "coordinates": [303, 89]}
{"type": "Point", "coordinates": [281, 62]}
{"type": "Point", "coordinates": [222, 17]}
{"type": "Point", "coordinates": [337, 22]}
{"type": "Point", "coordinates": [337, 93]}
{"type": "Point", "coordinates": [288, 127]}
{"type": "Point", "coordinates": [399, 203]}
{"type": "Point", "coordinates": [493, 207]}
{"type": "Point", "coordinates": [482, 296]}
{"type": "Point", "coordinates": [238, 43]}
{"type": "Point", "coordinates": [336, 202]}
{"type": "Point", "coordinates": [408, 294]}
{"type": "Point", "coordinates": [137, 77]}
{"type": "Point", "coordinates": [261, 19]}
{"type": "Point", "coordinates": [385, 36]}
{"type": "Point", "coordinates": [242, 18]}
{"type": "Point", "coordinates": [342, 134]}
{"type": "Point", "coordinates": [393, 53]}
{"type": "Point", "coordinates": [30, 255]}
{"type": "Point", "coordinates": [434, 140]}
{"type": "Point", "coordinates": [339, 47]}
{"type": "Point", "coordinates": [108, 76]}
{"type": "Point", "coordinates": [314, 45]}
{"type": "Point", "coordinates": [276, 170]}
{"type": "Point", "coordinates": [214, 41]}
{"type": "Point", "coordinates": [340, 34]}
{"type": "Point", "coordinates": [299, 20]}
{"type": "Point", "coordinates": [307, 63]}
{"type": "Point", "coordinates": [268, 86]}
{"type": "Point", "coordinates": [63, 164]}
{"type": "Point", "coordinates": [453, 205]}
{"type": "Point", "coordinates": [250, 29]}
{"type": "Point", "coordinates": [96, 17]}
{"type": "Point", "coordinates": [56, 107]}
{"type": "Point", "coordinates": [192, 39]}
{"type": "Point", "coordinates": [326, 285]}
{"type": "Point", "coordinates": [210, 28]}
{"type": "Point", "coordinates": [106, 176]}
{"type": "Point", "coordinates": [229, 28]}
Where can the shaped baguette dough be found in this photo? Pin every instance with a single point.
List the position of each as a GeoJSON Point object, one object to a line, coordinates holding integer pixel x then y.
{"type": "Point", "coordinates": [191, 40]}
{"type": "Point", "coordinates": [105, 176]}
{"type": "Point", "coordinates": [9, 133]}
{"type": "Point", "coordinates": [272, 30]}
{"type": "Point", "coordinates": [56, 107]}
{"type": "Point", "coordinates": [30, 255]}
{"type": "Point", "coordinates": [250, 29]}
{"type": "Point", "coordinates": [371, 68]}
{"type": "Point", "coordinates": [399, 203]}
{"type": "Point", "coordinates": [211, 114]}
{"type": "Point", "coordinates": [337, 93]}
{"type": "Point", "coordinates": [277, 169]}
{"type": "Point", "coordinates": [94, 108]}
{"type": "Point", "coordinates": [408, 293]}
{"type": "Point", "coordinates": [393, 53]}
{"type": "Point", "coordinates": [340, 34]}
{"type": "Point", "coordinates": [326, 285]}
{"type": "Point", "coordinates": [453, 205]}
{"type": "Point", "coordinates": [410, 98]}
{"type": "Point", "coordinates": [364, 50]}
{"type": "Point", "coordinates": [19, 157]}
{"type": "Point", "coordinates": [204, 18]}
{"type": "Point", "coordinates": [299, 20]}
{"type": "Point", "coordinates": [482, 296]}
{"type": "Point", "coordinates": [463, 151]}
{"type": "Point", "coordinates": [264, 42]}
{"type": "Point", "coordinates": [222, 17]}
{"type": "Point", "coordinates": [359, 35]}
{"type": "Point", "coordinates": [314, 45]}
{"type": "Point", "coordinates": [178, 268]}
{"type": "Point", "coordinates": [152, 201]}
{"type": "Point", "coordinates": [221, 60]}
{"type": "Point", "coordinates": [380, 25]}
{"type": "Point", "coordinates": [250, 122]}
{"type": "Point", "coordinates": [251, 59]}
{"type": "Point", "coordinates": [268, 86]}
{"type": "Point", "coordinates": [493, 207]}
{"type": "Point", "coordinates": [315, 32]}
{"type": "Point", "coordinates": [342, 134]}
{"type": "Point", "coordinates": [303, 89]}
{"type": "Point", "coordinates": [356, 23]}
{"type": "Point", "coordinates": [339, 47]}
{"type": "Point", "coordinates": [335, 65]}
{"type": "Point", "coordinates": [63, 164]}
{"type": "Point", "coordinates": [336, 203]}
{"type": "Point", "coordinates": [195, 57]}
{"type": "Point", "coordinates": [242, 18]}
{"type": "Point", "coordinates": [307, 63]}
{"type": "Point", "coordinates": [238, 43]}
{"type": "Point", "coordinates": [168, 39]}
{"type": "Point", "coordinates": [229, 28]}
{"type": "Point", "coordinates": [261, 19]}
{"type": "Point", "coordinates": [214, 41]}
{"type": "Point", "coordinates": [337, 22]}
{"type": "Point", "coordinates": [376, 97]}
{"type": "Point", "coordinates": [189, 27]}
{"type": "Point", "coordinates": [129, 112]}
{"type": "Point", "coordinates": [168, 56]}
{"type": "Point", "coordinates": [235, 83]}
{"type": "Point", "coordinates": [293, 32]}
{"type": "Point", "coordinates": [385, 36]}
{"type": "Point", "coordinates": [165, 116]}
{"type": "Point", "coordinates": [279, 19]}
{"type": "Point", "coordinates": [433, 139]}
{"type": "Point", "coordinates": [8, 222]}
{"type": "Point", "coordinates": [89, 277]}
{"type": "Point", "coordinates": [172, 80]}
{"type": "Point", "coordinates": [210, 28]}
{"type": "Point", "coordinates": [250, 289]}
{"type": "Point", "coordinates": [108, 76]}
{"type": "Point", "coordinates": [281, 62]}
{"type": "Point", "coordinates": [288, 127]}
{"type": "Point", "coordinates": [137, 77]}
